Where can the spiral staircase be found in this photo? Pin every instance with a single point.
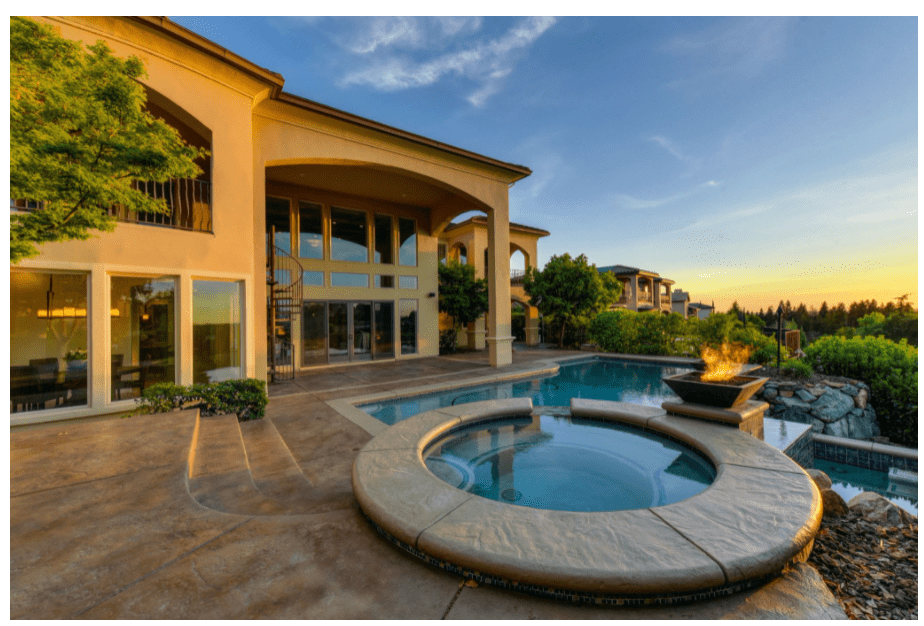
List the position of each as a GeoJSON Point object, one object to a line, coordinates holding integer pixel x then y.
{"type": "Point", "coordinates": [284, 304]}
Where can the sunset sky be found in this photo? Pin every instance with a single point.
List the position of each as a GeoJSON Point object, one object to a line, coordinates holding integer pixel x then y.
{"type": "Point", "coordinates": [748, 159]}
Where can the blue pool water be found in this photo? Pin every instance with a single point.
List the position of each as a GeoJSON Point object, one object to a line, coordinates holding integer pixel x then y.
{"type": "Point", "coordinates": [596, 379]}
{"type": "Point", "coordinates": [568, 464]}
{"type": "Point", "coordinates": [849, 481]}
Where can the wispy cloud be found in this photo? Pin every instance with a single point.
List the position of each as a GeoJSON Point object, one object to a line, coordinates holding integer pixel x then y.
{"type": "Point", "coordinates": [739, 48]}
{"type": "Point", "coordinates": [486, 62]}
{"type": "Point", "coordinates": [668, 145]}
{"type": "Point", "coordinates": [628, 202]}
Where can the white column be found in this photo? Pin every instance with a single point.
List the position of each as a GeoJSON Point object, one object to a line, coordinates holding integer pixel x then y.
{"type": "Point", "coordinates": [500, 336]}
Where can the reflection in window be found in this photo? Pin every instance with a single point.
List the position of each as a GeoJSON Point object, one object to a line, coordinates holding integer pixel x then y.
{"type": "Point", "coordinates": [408, 326]}
{"type": "Point", "coordinates": [277, 214]}
{"type": "Point", "coordinates": [384, 313]}
{"type": "Point", "coordinates": [310, 231]}
{"type": "Point", "coordinates": [345, 279]}
{"type": "Point", "coordinates": [348, 236]}
{"type": "Point", "coordinates": [314, 333]}
{"type": "Point", "coordinates": [216, 331]}
{"type": "Point", "coordinates": [441, 253]}
{"type": "Point", "coordinates": [463, 254]}
{"type": "Point", "coordinates": [313, 279]}
{"type": "Point", "coordinates": [407, 282]}
{"type": "Point", "coordinates": [48, 340]}
{"type": "Point", "coordinates": [384, 281]}
{"type": "Point", "coordinates": [142, 323]}
{"type": "Point", "coordinates": [407, 241]}
{"type": "Point", "coordinates": [384, 247]}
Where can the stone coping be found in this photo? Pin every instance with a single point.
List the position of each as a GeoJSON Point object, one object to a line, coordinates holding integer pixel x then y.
{"type": "Point", "coordinates": [761, 513]}
{"type": "Point", "coordinates": [869, 446]}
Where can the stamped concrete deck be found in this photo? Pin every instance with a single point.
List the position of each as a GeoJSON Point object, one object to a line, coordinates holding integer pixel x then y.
{"type": "Point", "coordinates": [167, 516]}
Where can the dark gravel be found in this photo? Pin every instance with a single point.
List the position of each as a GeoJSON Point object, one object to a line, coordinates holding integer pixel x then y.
{"type": "Point", "coordinates": [872, 570]}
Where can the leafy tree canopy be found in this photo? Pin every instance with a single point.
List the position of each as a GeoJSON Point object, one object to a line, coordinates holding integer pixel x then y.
{"type": "Point", "coordinates": [79, 137]}
{"type": "Point", "coordinates": [571, 291]}
{"type": "Point", "coordinates": [462, 296]}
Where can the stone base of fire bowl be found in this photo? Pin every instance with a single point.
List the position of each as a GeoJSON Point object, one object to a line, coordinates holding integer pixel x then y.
{"type": "Point", "coordinates": [747, 416]}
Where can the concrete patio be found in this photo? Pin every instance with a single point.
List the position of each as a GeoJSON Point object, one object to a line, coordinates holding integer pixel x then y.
{"type": "Point", "coordinates": [175, 517]}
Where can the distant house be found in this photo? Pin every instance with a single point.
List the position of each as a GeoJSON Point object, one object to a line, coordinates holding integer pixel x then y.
{"type": "Point", "coordinates": [702, 311]}
{"type": "Point", "coordinates": [643, 290]}
{"type": "Point", "coordinates": [680, 301]}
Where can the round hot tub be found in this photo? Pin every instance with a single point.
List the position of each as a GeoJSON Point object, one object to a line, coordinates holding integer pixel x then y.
{"type": "Point", "coordinates": [568, 464]}
{"type": "Point", "coordinates": [609, 502]}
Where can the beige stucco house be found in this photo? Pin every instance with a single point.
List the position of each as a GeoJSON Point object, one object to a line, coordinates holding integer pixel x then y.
{"type": "Point", "coordinates": [467, 242]}
{"type": "Point", "coordinates": [357, 207]}
{"type": "Point", "coordinates": [642, 291]}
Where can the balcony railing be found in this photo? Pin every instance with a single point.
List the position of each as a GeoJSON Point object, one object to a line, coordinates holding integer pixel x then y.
{"type": "Point", "coordinates": [189, 200]}
{"type": "Point", "coordinates": [645, 297]}
{"type": "Point", "coordinates": [517, 276]}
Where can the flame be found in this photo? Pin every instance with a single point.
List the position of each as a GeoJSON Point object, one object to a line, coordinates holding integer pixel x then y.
{"type": "Point", "coordinates": [724, 363]}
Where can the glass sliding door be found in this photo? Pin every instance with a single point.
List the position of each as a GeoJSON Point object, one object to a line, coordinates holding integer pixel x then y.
{"type": "Point", "coordinates": [338, 332]}
{"type": "Point", "coordinates": [48, 340]}
{"type": "Point", "coordinates": [384, 330]}
{"type": "Point", "coordinates": [408, 326]}
{"type": "Point", "coordinates": [143, 337]}
{"type": "Point", "coordinates": [362, 331]}
{"type": "Point", "coordinates": [314, 333]}
{"type": "Point", "coordinates": [216, 331]}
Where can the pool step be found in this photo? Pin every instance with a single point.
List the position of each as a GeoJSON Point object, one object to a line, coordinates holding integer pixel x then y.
{"type": "Point", "coordinates": [275, 471]}
{"type": "Point", "coordinates": [220, 478]}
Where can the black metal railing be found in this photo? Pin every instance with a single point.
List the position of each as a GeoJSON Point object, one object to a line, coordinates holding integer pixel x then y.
{"type": "Point", "coordinates": [284, 280]}
{"type": "Point", "coordinates": [189, 201]}
{"type": "Point", "coordinates": [517, 276]}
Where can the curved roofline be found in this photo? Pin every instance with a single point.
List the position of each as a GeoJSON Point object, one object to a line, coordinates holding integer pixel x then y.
{"type": "Point", "coordinates": [480, 219]}
{"type": "Point", "coordinates": [276, 81]}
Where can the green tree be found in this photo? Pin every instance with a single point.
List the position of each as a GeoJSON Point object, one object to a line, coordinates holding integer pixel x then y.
{"type": "Point", "coordinates": [79, 137]}
{"type": "Point", "coordinates": [571, 291]}
{"type": "Point", "coordinates": [462, 296]}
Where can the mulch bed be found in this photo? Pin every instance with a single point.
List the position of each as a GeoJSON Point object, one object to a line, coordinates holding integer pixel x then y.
{"type": "Point", "coordinates": [872, 570]}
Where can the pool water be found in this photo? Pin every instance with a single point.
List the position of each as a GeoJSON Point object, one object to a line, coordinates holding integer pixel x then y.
{"type": "Point", "coordinates": [849, 481]}
{"type": "Point", "coordinates": [568, 464]}
{"type": "Point", "coordinates": [596, 379]}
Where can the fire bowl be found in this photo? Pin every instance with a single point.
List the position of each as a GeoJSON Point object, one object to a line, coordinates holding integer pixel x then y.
{"type": "Point", "coordinates": [725, 394]}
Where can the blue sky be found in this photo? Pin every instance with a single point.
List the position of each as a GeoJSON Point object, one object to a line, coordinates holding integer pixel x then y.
{"type": "Point", "coordinates": [750, 159]}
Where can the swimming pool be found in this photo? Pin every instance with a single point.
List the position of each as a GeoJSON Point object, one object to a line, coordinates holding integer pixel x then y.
{"type": "Point", "coordinates": [568, 464]}
{"type": "Point", "coordinates": [597, 378]}
{"type": "Point", "coordinates": [849, 481]}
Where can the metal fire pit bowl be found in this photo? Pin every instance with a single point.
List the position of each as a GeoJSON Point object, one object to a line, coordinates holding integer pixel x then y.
{"type": "Point", "coordinates": [723, 395]}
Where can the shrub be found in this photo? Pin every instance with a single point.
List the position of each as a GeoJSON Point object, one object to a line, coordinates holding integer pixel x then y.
{"type": "Point", "coordinates": [247, 398]}
{"type": "Point", "coordinates": [629, 332]}
{"type": "Point", "coordinates": [891, 371]}
{"type": "Point", "coordinates": [797, 368]}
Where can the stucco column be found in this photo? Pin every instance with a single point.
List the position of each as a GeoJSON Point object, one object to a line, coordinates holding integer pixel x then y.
{"type": "Point", "coordinates": [633, 297]}
{"type": "Point", "coordinates": [500, 337]}
{"type": "Point", "coordinates": [532, 325]}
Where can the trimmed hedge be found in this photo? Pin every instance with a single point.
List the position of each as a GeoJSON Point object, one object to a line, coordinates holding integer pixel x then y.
{"type": "Point", "coordinates": [891, 371]}
{"type": "Point", "coordinates": [246, 397]}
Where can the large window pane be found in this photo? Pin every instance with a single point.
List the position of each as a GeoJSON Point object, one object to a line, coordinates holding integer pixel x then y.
{"type": "Point", "coordinates": [408, 326]}
{"type": "Point", "coordinates": [48, 340]}
{"type": "Point", "coordinates": [310, 231]}
{"type": "Point", "coordinates": [407, 241]}
{"type": "Point", "coordinates": [277, 214]}
{"type": "Point", "coordinates": [384, 248]}
{"type": "Point", "coordinates": [346, 279]}
{"type": "Point", "coordinates": [348, 241]}
{"type": "Point", "coordinates": [384, 330]}
{"type": "Point", "coordinates": [314, 333]}
{"type": "Point", "coordinates": [216, 331]}
{"type": "Point", "coordinates": [142, 323]}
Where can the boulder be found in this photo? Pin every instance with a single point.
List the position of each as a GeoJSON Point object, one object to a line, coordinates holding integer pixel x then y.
{"type": "Point", "coordinates": [832, 406]}
{"type": "Point", "coordinates": [816, 391]}
{"type": "Point", "coordinates": [832, 504]}
{"type": "Point", "coordinates": [818, 426]}
{"type": "Point", "coordinates": [858, 427]}
{"type": "Point", "coordinates": [770, 393]}
{"type": "Point", "coordinates": [877, 509]}
{"type": "Point", "coordinates": [786, 393]}
{"type": "Point", "coordinates": [822, 480]}
{"type": "Point", "coordinates": [838, 429]}
{"type": "Point", "coordinates": [805, 396]}
{"type": "Point", "coordinates": [861, 398]}
{"type": "Point", "coordinates": [833, 384]}
{"type": "Point", "coordinates": [796, 403]}
{"type": "Point", "coordinates": [850, 390]}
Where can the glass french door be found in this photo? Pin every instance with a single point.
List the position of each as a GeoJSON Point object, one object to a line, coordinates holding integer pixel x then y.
{"type": "Point", "coordinates": [353, 332]}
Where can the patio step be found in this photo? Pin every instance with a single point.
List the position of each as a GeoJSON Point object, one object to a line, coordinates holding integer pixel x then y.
{"type": "Point", "coordinates": [275, 471]}
{"type": "Point", "coordinates": [220, 478]}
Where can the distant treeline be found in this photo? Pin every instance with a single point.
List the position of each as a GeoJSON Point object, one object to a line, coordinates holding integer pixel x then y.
{"type": "Point", "coordinates": [900, 318]}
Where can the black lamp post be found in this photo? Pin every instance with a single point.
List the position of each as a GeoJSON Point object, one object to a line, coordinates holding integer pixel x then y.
{"type": "Point", "coordinates": [779, 332]}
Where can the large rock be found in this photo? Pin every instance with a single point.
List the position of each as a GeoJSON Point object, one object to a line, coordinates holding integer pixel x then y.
{"type": "Point", "coordinates": [796, 403]}
{"type": "Point", "coordinates": [877, 509]}
{"type": "Point", "coordinates": [832, 504]}
{"type": "Point", "coordinates": [850, 390]}
{"type": "Point", "coordinates": [831, 406]}
{"type": "Point", "coordinates": [770, 393]}
{"type": "Point", "coordinates": [859, 426]}
{"type": "Point", "coordinates": [822, 480]}
{"type": "Point", "coordinates": [861, 398]}
{"type": "Point", "coordinates": [805, 396]}
{"type": "Point", "coordinates": [837, 429]}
